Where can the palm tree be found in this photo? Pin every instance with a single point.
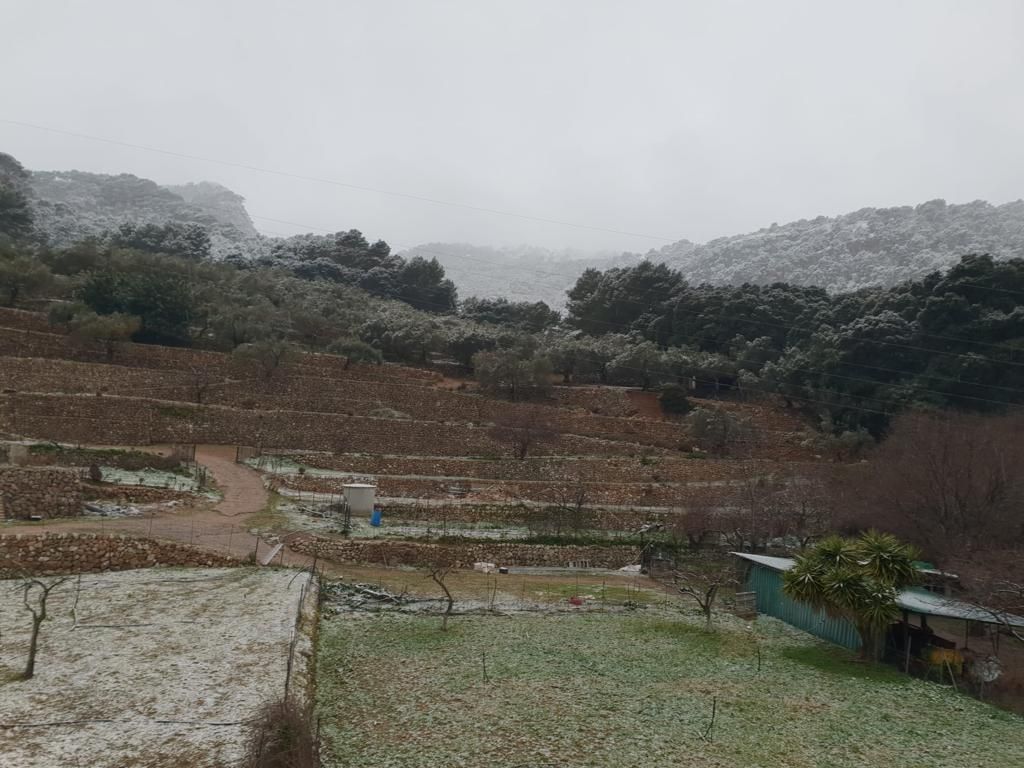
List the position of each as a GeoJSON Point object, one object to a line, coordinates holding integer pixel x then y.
{"type": "Point", "coordinates": [855, 579]}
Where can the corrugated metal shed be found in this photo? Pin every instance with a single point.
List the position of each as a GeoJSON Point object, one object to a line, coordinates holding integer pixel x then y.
{"type": "Point", "coordinates": [933, 604]}
{"type": "Point", "coordinates": [765, 579]}
{"type": "Point", "coordinates": [919, 601]}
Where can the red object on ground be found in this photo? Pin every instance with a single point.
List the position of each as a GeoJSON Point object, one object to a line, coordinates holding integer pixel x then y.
{"type": "Point", "coordinates": [576, 600]}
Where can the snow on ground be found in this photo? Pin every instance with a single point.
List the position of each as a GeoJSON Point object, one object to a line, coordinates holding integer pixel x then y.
{"type": "Point", "coordinates": [150, 478]}
{"type": "Point", "coordinates": [163, 668]}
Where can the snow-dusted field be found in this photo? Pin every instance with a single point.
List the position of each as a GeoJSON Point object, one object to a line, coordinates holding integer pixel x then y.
{"type": "Point", "coordinates": [163, 668]}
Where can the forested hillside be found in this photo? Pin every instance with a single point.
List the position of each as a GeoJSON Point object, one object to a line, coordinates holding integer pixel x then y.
{"type": "Point", "coordinates": [953, 338]}
{"type": "Point", "coordinates": [69, 206]}
{"type": "Point", "coordinates": [869, 247]}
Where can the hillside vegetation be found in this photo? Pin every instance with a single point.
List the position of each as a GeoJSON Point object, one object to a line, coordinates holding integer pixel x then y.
{"type": "Point", "coordinates": [950, 339]}
{"type": "Point", "coordinates": [70, 206]}
{"type": "Point", "coordinates": [869, 247]}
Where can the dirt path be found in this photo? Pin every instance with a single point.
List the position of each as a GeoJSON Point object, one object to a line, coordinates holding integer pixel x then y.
{"type": "Point", "coordinates": [242, 487]}
{"type": "Point", "coordinates": [224, 526]}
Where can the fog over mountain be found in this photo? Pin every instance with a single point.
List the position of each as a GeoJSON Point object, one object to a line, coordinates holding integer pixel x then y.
{"type": "Point", "coordinates": [637, 125]}
{"type": "Point", "coordinates": [69, 206]}
{"type": "Point", "coordinates": [872, 246]}
{"type": "Point", "coordinates": [526, 273]}
{"type": "Point", "coordinates": [867, 247]}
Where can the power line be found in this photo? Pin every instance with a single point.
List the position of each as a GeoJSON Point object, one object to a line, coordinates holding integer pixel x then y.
{"type": "Point", "coordinates": [622, 326]}
{"type": "Point", "coordinates": [476, 208]}
{"type": "Point", "coordinates": [612, 325]}
{"type": "Point", "coordinates": [343, 184]}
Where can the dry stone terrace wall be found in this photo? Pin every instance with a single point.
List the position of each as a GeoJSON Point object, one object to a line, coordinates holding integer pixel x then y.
{"type": "Point", "coordinates": [606, 401]}
{"type": "Point", "coordinates": [34, 491]}
{"type": "Point", "coordinates": [137, 421]}
{"type": "Point", "coordinates": [462, 555]}
{"type": "Point", "coordinates": [560, 469]}
{"type": "Point", "coordinates": [304, 393]}
{"type": "Point", "coordinates": [133, 494]}
{"type": "Point", "coordinates": [24, 321]}
{"type": "Point", "coordinates": [603, 519]}
{"type": "Point", "coordinates": [48, 362]}
{"type": "Point", "coordinates": [65, 553]}
{"type": "Point", "coordinates": [636, 494]}
{"type": "Point", "coordinates": [23, 343]}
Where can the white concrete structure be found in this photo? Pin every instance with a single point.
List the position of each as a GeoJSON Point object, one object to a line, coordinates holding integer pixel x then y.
{"type": "Point", "coordinates": [360, 497]}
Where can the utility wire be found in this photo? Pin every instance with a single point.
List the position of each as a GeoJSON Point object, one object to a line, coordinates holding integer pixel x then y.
{"type": "Point", "coordinates": [343, 184]}
{"type": "Point", "coordinates": [802, 329]}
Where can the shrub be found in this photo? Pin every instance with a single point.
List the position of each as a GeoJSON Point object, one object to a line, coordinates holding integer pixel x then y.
{"type": "Point", "coordinates": [673, 399]}
{"type": "Point", "coordinates": [282, 737]}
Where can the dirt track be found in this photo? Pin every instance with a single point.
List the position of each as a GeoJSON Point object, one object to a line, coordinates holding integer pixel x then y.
{"type": "Point", "coordinates": [223, 526]}
{"type": "Point", "coordinates": [241, 486]}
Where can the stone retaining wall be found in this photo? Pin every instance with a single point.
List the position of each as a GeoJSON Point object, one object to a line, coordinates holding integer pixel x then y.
{"type": "Point", "coordinates": [133, 494]}
{"type": "Point", "coordinates": [558, 469]}
{"type": "Point", "coordinates": [607, 401]}
{"type": "Point", "coordinates": [24, 321]}
{"type": "Point", "coordinates": [44, 492]}
{"type": "Point", "coordinates": [62, 553]}
{"type": "Point", "coordinates": [15, 342]}
{"type": "Point", "coordinates": [515, 515]}
{"type": "Point", "coordinates": [136, 421]}
{"type": "Point", "coordinates": [637, 494]}
{"type": "Point", "coordinates": [461, 555]}
{"type": "Point", "coordinates": [290, 391]}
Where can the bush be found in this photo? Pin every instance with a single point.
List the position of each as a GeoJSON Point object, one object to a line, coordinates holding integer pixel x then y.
{"type": "Point", "coordinates": [282, 737]}
{"type": "Point", "coordinates": [673, 399]}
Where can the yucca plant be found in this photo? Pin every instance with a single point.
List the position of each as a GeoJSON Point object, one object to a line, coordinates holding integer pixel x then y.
{"type": "Point", "coordinates": [855, 579]}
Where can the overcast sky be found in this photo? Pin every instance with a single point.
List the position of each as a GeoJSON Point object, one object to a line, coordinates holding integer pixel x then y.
{"type": "Point", "coordinates": [670, 119]}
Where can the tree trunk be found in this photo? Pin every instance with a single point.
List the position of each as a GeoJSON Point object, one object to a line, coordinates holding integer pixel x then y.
{"type": "Point", "coordinates": [33, 646]}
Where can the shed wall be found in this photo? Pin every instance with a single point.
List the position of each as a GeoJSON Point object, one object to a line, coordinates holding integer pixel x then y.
{"type": "Point", "coordinates": [771, 600]}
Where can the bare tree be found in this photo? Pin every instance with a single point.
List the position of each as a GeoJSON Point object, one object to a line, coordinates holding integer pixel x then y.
{"type": "Point", "coordinates": [439, 573]}
{"type": "Point", "coordinates": [804, 507]}
{"type": "Point", "coordinates": [568, 511]}
{"type": "Point", "coordinates": [995, 579]}
{"type": "Point", "coordinates": [35, 594]}
{"type": "Point", "coordinates": [754, 513]}
{"type": "Point", "coordinates": [201, 379]}
{"type": "Point", "coordinates": [951, 485]}
{"type": "Point", "coordinates": [948, 483]}
{"type": "Point", "coordinates": [697, 523]}
{"type": "Point", "coordinates": [521, 430]}
{"type": "Point", "coordinates": [704, 586]}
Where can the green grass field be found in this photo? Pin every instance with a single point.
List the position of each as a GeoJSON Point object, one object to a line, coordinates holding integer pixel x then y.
{"type": "Point", "coordinates": [622, 690]}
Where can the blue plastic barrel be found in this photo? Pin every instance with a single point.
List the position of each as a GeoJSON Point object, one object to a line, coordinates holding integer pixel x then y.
{"type": "Point", "coordinates": [375, 518]}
